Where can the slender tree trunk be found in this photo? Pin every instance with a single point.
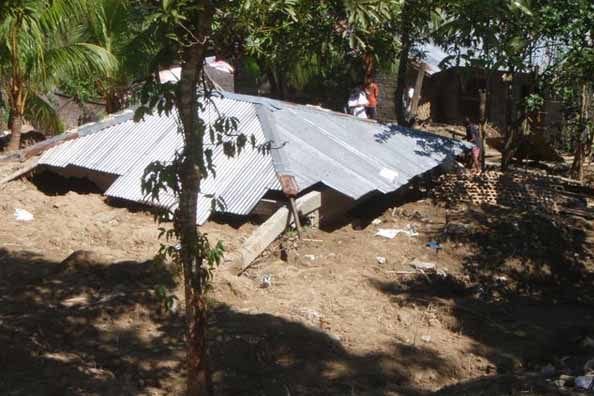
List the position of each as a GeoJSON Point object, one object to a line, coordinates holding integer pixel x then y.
{"type": "Point", "coordinates": [583, 138]}
{"type": "Point", "coordinates": [483, 122]}
{"type": "Point", "coordinates": [401, 79]}
{"type": "Point", "coordinates": [196, 313]}
{"type": "Point", "coordinates": [510, 130]}
{"type": "Point", "coordinates": [405, 25]}
{"type": "Point", "coordinates": [15, 133]}
{"type": "Point", "coordinates": [198, 381]}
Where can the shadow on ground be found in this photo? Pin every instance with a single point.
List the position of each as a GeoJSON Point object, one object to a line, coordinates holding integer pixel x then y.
{"type": "Point", "coordinates": [525, 294]}
{"type": "Point", "coordinates": [91, 328]}
{"type": "Point", "coordinates": [86, 327]}
{"type": "Point", "coordinates": [267, 355]}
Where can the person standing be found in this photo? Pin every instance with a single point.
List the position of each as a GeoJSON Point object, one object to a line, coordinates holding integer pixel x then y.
{"type": "Point", "coordinates": [372, 91]}
{"type": "Point", "coordinates": [473, 135]}
{"type": "Point", "coordinates": [358, 102]}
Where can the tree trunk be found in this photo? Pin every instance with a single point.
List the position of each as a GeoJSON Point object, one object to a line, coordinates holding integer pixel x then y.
{"type": "Point", "coordinates": [510, 130]}
{"type": "Point", "coordinates": [483, 122]}
{"type": "Point", "coordinates": [401, 80]}
{"type": "Point", "coordinates": [198, 381]}
{"type": "Point", "coordinates": [583, 138]}
{"type": "Point", "coordinates": [15, 133]}
{"type": "Point", "coordinates": [403, 65]}
{"type": "Point", "coordinates": [414, 105]}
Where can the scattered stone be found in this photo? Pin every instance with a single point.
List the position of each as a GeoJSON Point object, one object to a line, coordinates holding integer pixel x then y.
{"type": "Point", "coordinates": [381, 260]}
{"type": "Point", "coordinates": [426, 338]}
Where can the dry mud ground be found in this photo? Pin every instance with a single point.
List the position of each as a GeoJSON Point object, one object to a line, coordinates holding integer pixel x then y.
{"type": "Point", "coordinates": [514, 294]}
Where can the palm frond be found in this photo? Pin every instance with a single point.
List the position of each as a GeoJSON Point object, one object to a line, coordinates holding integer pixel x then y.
{"type": "Point", "coordinates": [43, 115]}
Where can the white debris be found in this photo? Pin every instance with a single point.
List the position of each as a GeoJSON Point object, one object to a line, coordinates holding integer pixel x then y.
{"type": "Point", "coordinates": [377, 221]}
{"type": "Point", "coordinates": [391, 233]}
{"type": "Point", "coordinates": [381, 260]}
{"type": "Point", "coordinates": [22, 215]}
{"type": "Point", "coordinates": [266, 281]}
{"type": "Point", "coordinates": [309, 257]}
{"type": "Point", "coordinates": [426, 338]}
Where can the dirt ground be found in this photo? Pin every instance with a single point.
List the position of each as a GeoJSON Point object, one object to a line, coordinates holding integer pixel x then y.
{"type": "Point", "coordinates": [345, 313]}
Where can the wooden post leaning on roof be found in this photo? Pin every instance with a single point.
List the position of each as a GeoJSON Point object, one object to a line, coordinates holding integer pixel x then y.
{"type": "Point", "coordinates": [290, 188]}
{"type": "Point", "coordinates": [272, 228]}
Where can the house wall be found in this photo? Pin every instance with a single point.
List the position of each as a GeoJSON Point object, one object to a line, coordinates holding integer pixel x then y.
{"type": "Point", "coordinates": [387, 81]}
{"type": "Point", "coordinates": [455, 94]}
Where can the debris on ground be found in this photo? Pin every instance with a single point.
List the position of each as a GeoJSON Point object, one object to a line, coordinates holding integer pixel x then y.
{"type": "Point", "coordinates": [423, 266]}
{"type": "Point", "coordinates": [434, 245]}
{"type": "Point", "coordinates": [391, 233]}
{"type": "Point", "coordinates": [310, 323]}
{"type": "Point", "coordinates": [266, 281]}
{"type": "Point", "coordinates": [381, 260]}
{"type": "Point", "coordinates": [22, 215]}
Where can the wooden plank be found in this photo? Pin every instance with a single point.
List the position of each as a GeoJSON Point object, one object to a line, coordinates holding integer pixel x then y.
{"type": "Point", "coordinates": [418, 88]}
{"type": "Point", "coordinates": [38, 148]}
{"type": "Point", "coordinates": [272, 228]}
{"type": "Point", "coordinates": [28, 167]}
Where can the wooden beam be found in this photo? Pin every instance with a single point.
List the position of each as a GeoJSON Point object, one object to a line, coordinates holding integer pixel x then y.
{"type": "Point", "coordinates": [418, 88]}
{"type": "Point", "coordinates": [272, 228]}
{"type": "Point", "coordinates": [28, 167]}
{"type": "Point", "coordinates": [38, 148]}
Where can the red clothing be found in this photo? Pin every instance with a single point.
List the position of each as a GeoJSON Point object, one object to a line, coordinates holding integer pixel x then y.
{"type": "Point", "coordinates": [372, 92]}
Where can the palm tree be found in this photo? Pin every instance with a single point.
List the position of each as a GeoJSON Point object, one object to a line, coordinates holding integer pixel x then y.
{"type": "Point", "coordinates": [116, 26]}
{"type": "Point", "coordinates": [41, 43]}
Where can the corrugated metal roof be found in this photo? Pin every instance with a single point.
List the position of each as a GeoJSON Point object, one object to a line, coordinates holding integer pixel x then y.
{"type": "Point", "coordinates": [352, 156]}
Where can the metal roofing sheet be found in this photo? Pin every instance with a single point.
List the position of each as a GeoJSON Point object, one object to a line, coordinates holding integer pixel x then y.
{"type": "Point", "coordinates": [238, 183]}
{"type": "Point", "coordinates": [352, 156]}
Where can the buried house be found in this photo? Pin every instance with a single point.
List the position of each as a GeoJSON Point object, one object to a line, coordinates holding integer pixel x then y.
{"type": "Point", "coordinates": [336, 156]}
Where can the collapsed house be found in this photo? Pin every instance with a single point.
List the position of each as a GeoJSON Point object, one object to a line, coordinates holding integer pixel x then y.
{"type": "Point", "coordinates": [338, 158]}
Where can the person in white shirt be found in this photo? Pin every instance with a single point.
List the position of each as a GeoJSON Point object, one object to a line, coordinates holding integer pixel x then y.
{"type": "Point", "coordinates": [358, 102]}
